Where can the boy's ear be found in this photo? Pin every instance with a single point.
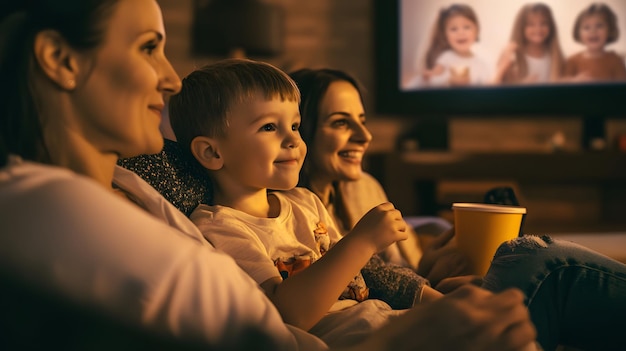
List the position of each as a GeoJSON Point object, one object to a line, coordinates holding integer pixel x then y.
{"type": "Point", "coordinates": [206, 151]}
{"type": "Point", "coordinates": [57, 59]}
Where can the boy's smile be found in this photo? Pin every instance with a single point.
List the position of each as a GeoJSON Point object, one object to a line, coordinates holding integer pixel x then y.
{"type": "Point", "coordinates": [262, 148]}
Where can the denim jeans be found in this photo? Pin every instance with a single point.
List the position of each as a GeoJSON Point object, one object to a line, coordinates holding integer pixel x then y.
{"type": "Point", "coordinates": [576, 297]}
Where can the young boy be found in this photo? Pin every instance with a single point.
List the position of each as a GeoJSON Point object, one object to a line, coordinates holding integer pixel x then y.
{"type": "Point", "coordinates": [240, 119]}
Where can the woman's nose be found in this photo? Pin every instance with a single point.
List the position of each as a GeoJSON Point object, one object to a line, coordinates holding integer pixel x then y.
{"type": "Point", "coordinates": [361, 134]}
{"type": "Point", "coordinates": [170, 82]}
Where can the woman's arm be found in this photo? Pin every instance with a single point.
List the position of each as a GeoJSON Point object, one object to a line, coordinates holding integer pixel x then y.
{"type": "Point", "coordinates": [442, 259]}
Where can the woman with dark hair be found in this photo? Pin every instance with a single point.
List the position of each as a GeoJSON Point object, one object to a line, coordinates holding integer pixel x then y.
{"type": "Point", "coordinates": [565, 284]}
{"type": "Point", "coordinates": [85, 84]}
{"type": "Point", "coordinates": [333, 126]}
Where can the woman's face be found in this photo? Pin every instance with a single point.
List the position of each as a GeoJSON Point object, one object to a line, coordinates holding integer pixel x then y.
{"type": "Point", "coordinates": [594, 32]}
{"type": "Point", "coordinates": [461, 34]}
{"type": "Point", "coordinates": [119, 98]}
{"type": "Point", "coordinates": [537, 28]}
{"type": "Point", "coordinates": [341, 138]}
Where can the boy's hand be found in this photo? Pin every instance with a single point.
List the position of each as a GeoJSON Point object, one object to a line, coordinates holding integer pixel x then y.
{"type": "Point", "coordinates": [383, 225]}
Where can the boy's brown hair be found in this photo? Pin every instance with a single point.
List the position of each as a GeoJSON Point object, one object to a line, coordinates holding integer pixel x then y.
{"type": "Point", "coordinates": [209, 93]}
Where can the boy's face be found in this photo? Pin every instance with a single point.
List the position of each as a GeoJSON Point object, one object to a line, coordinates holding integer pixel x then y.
{"type": "Point", "coordinates": [461, 34]}
{"type": "Point", "coordinates": [262, 147]}
{"type": "Point", "coordinates": [537, 28]}
{"type": "Point", "coordinates": [593, 32]}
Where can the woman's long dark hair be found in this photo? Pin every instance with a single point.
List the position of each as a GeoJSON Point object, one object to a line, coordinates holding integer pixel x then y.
{"type": "Point", "coordinates": [80, 22]}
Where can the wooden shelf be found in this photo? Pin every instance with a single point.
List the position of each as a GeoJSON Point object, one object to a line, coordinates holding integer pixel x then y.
{"type": "Point", "coordinates": [410, 179]}
{"type": "Point", "coordinates": [563, 166]}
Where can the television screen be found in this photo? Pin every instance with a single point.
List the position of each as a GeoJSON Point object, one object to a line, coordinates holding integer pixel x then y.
{"type": "Point", "coordinates": [501, 57]}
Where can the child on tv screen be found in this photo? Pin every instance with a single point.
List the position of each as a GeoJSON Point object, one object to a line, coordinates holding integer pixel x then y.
{"type": "Point", "coordinates": [595, 28]}
{"type": "Point", "coordinates": [534, 54]}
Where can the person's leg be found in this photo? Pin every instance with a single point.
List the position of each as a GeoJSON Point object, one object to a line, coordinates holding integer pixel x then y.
{"type": "Point", "coordinates": [575, 296]}
{"type": "Point", "coordinates": [350, 326]}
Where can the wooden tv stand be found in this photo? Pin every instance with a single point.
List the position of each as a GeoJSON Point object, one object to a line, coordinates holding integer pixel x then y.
{"type": "Point", "coordinates": [410, 178]}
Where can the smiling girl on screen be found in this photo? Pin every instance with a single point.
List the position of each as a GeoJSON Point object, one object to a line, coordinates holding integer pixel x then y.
{"type": "Point", "coordinates": [534, 54]}
{"type": "Point", "coordinates": [595, 28]}
{"type": "Point", "coordinates": [450, 59]}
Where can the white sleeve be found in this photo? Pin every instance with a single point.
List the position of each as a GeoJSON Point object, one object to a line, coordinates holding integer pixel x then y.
{"type": "Point", "coordinates": [71, 236]}
{"type": "Point", "coordinates": [238, 240]}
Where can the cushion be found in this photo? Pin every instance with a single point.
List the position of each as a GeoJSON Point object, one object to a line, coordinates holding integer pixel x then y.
{"type": "Point", "coordinates": [174, 174]}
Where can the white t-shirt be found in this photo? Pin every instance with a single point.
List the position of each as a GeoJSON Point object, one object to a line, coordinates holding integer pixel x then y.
{"type": "Point", "coordinates": [294, 236]}
{"type": "Point", "coordinates": [479, 71]}
{"type": "Point", "coordinates": [258, 243]}
{"type": "Point", "coordinates": [64, 233]}
{"type": "Point", "coordinates": [539, 68]}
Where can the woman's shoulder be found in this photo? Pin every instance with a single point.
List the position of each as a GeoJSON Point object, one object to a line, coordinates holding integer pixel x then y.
{"type": "Point", "coordinates": [366, 183]}
{"type": "Point", "coordinates": [364, 193]}
{"type": "Point", "coordinates": [26, 179]}
{"type": "Point", "coordinates": [56, 198]}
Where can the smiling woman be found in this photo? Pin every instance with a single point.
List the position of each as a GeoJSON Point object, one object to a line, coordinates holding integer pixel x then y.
{"type": "Point", "coordinates": [88, 80]}
{"type": "Point", "coordinates": [123, 92]}
{"type": "Point", "coordinates": [334, 128]}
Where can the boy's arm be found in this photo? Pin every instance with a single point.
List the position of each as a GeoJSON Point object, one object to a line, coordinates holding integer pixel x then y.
{"type": "Point", "coordinates": [304, 298]}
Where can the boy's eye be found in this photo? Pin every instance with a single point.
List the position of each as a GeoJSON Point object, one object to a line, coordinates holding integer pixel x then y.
{"type": "Point", "coordinates": [268, 127]}
{"type": "Point", "coordinates": [295, 126]}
